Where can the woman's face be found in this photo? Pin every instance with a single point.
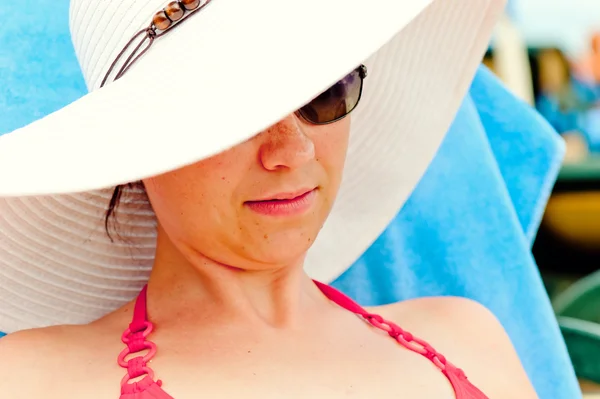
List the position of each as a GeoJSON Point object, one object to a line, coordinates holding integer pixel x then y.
{"type": "Point", "coordinates": [259, 204]}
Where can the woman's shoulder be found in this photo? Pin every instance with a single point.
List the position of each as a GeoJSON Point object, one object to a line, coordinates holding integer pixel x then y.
{"type": "Point", "coordinates": [40, 343]}
{"type": "Point", "coordinates": [45, 342]}
{"type": "Point", "coordinates": [438, 311]}
{"type": "Point", "coordinates": [469, 336]}
{"type": "Point", "coordinates": [31, 355]}
{"type": "Point", "coordinates": [51, 359]}
{"type": "Point", "coordinates": [455, 326]}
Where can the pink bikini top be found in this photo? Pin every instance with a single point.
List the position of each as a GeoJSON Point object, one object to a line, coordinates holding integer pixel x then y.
{"type": "Point", "coordinates": [149, 388]}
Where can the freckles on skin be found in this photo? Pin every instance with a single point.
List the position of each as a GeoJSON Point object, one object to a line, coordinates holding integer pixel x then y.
{"type": "Point", "coordinates": [203, 205]}
{"type": "Point", "coordinates": [193, 192]}
{"type": "Point", "coordinates": [331, 149]}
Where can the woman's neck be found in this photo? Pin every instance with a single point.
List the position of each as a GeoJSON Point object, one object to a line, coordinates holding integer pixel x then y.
{"type": "Point", "coordinates": [186, 286]}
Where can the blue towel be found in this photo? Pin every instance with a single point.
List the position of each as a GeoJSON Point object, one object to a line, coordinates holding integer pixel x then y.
{"type": "Point", "coordinates": [495, 169]}
{"type": "Point", "coordinates": [473, 241]}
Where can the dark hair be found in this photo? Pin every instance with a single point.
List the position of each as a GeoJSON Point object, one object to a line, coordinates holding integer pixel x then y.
{"type": "Point", "coordinates": [113, 204]}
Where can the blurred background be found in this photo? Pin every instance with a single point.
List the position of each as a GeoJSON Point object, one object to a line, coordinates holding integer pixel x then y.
{"type": "Point", "coordinates": [548, 53]}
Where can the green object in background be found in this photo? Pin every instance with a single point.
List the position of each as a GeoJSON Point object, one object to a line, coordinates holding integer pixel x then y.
{"type": "Point", "coordinates": [589, 169]}
{"type": "Point", "coordinates": [581, 300]}
{"type": "Point", "coordinates": [578, 306]}
{"type": "Point", "coordinates": [583, 342]}
{"type": "Point", "coordinates": [578, 311]}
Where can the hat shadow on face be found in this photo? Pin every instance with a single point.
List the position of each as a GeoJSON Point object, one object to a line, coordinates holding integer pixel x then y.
{"type": "Point", "coordinates": [54, 250]}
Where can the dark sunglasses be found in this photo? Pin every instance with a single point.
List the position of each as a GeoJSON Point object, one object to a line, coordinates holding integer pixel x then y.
{"type": "Point", "coordinates": [336, 102]}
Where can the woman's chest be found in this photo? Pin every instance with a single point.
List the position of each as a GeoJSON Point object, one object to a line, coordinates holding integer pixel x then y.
{"type": "Point", "coordinates": [364, 367]}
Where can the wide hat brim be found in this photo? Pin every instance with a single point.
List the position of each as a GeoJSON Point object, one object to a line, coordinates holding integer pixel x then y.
{"type": "Point", "coordinates": [232, 70]}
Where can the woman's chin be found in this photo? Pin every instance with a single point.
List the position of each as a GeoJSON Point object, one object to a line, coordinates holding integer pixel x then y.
{"type": "Point", "coordinates": [282, 249]}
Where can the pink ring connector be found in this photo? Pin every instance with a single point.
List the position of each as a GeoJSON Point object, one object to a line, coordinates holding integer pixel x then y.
{"type": "Point", "coordinates": [151, 346]}
{"type": "Point", "coordinates": [148, 371]}
{"type": "Point", "coordinates": [147, 330]}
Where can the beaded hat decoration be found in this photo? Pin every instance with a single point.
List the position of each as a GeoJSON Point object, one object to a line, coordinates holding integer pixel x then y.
{"type": "Point", "coordinates": [220, 78]}
{"type": "Point", "coordinates": [330, 106]}
{"type": "Point", "coordinates": [174, 13]}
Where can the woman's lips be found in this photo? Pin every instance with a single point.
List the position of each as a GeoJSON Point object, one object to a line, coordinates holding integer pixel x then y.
{"type": "Point", "coordinates": [284, 207]}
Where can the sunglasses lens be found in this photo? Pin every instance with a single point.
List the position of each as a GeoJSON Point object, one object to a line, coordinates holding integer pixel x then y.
{"type": "Point", "coordinates": [336, 102]}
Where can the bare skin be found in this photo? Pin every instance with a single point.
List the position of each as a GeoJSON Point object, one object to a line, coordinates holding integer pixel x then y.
{"type": "Point", "coordinates": [331, 355]}
{"type": "Point", "coordinates": [235, 314]}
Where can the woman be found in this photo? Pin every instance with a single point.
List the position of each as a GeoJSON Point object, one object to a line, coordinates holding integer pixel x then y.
{"type": "Point", "coordinates": [235, 167]}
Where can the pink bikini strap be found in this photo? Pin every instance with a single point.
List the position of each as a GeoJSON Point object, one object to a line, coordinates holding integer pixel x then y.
{"type": "Point", "coordinates": [405, 338]}
{"type": "Point", "coordinates": [462, 387]}
{"type": "Point", "coordinates": [140, 318]}
{"type": "Point", "coordinates": [135, 339]}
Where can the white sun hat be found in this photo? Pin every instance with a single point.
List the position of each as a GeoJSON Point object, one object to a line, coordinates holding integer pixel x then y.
{"type": "Point", "coordinates": [228, 72]}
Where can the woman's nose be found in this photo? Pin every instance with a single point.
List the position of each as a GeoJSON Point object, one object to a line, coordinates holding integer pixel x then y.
{"type": "Point", "coordinates": [286, 145]}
